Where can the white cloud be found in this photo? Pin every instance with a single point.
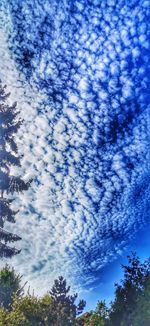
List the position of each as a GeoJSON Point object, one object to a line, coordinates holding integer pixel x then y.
{"type": "Point", "coordinates": [80, 141]}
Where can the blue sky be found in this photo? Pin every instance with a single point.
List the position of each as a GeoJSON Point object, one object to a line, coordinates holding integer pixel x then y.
{"type": "Point", "coordinates": [113, 273]}
{"type": "Point", "coordinates": [79, 72]}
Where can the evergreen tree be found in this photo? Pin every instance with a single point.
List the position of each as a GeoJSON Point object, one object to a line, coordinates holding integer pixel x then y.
{"type": "Point", "coordinates": [130, 292]}
{"type": "Point", "coordinates": [64, 304]}
{"type": "Point", "coordinates": [9, 125]}
{"type": "Point", "coordinates": [10, 285]}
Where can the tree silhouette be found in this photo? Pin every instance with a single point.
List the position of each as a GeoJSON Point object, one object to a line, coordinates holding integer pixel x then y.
{"type": "Point", "coordinates": [9, 125]}
{"type": "Point", "coordinates": [64, 304]}
{"type": "Point", "coordinates": [130, 292]}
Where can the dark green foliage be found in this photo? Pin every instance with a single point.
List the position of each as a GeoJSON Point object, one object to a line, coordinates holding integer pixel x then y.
{"type": "Point", "coordinates": [64, 303]}
{"type": "Point", "coordinates": [97, 317]}
{"type": "Point", "coordinates": [6, 213]}
{"type": "Point", "coordinates": [130, 292]}
{"type": "Point", "coordinates": [58, 309]}
{"type": "Point", "coordinates": [7, 236]}
{"type": "Point", "coordinates": [9, 125]}
{"type": "Point", "coordinates": [28, 311]}
{"type": "Point", "coordinates": [34, 311]}
{"type": "Point", "coordinates": [142, 311]}
{"type": "Point", "coordinates": [10, 285]}
{"type": "Point", "coordinates": [131, 306]}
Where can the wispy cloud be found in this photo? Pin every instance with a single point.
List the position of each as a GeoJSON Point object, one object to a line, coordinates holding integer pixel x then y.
{"type": "Point", "coordinates": [80, 75]}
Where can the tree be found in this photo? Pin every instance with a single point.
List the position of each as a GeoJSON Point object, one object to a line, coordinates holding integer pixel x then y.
{"type": "Point", "coordinates": [10, 285]}
{"type": "Point", "coordinates": [64, 304]}
{"type": "Point", "coordinates": [35, 311]}
{"type": "Point", "coordinates": [9, 125]}
{"type": "Point", "coordinates": [97, 317]}
{"type": "Point", "coordinates": [142, 311]}
{"type": "Point", "coordinates": [28, 310]}
{"type": "Point", "coordinates": [130, 292]}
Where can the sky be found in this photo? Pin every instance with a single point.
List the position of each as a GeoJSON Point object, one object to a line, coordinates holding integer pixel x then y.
{"type": "Point", "coordinates": [79, 71]}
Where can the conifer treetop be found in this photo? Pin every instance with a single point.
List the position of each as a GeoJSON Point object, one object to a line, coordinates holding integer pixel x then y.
{"type": "Point", "coordinates": [10, 122]}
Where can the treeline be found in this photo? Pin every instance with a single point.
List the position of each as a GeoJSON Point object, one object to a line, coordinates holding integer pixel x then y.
{"type": "Point", "coordinates": [57, 307]}
{"type": "Point", "coordinates": [130, 307]}
{"type": "Point", "coordinates": [131, 304]}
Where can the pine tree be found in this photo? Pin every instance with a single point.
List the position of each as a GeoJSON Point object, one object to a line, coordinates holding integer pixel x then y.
{"type": "Point", "coordinates": [65, 308]}
{"type": "Point", "coordinates": [9, 125]}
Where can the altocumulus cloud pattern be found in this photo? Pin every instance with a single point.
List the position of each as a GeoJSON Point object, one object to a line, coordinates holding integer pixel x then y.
{"type": "Point", "coordinates": [86, 140]}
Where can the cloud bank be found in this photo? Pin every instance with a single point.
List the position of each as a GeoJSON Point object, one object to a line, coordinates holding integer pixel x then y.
{"type": "Point", "coordinates": [83, 71]}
